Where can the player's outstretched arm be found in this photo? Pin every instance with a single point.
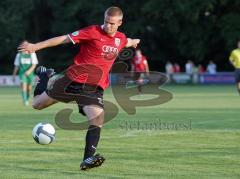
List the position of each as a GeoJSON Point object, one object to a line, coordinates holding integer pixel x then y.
{"type": "Point", "coordinates": [147, 69]}
{"type": "Point", "coordinates": [30, 48]}
{"type": "Point", "coordinates": [132, 42]}
{"type": "Point", "coordinates": [15, 70]}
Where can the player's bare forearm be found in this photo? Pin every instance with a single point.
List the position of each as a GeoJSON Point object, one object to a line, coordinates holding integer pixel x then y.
{"type": "Point", "coordinates": [30, 70]}
{"type": "Point", "coordinates": [15, 70]}
{"type": "Point", "coordinates": [132, 42]}
{"type": "Point", "coordinates": [52, 42]}
{"type": "Point", "coordinates": [30, 48]}
{"type": "Point", "coordinates": [15, 73]}
{"type": "Point", "coordinates": [147, 70]}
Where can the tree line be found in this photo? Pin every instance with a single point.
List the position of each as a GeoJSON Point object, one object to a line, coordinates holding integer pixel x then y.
{"type": "Point", "coordinates": [175, 30]}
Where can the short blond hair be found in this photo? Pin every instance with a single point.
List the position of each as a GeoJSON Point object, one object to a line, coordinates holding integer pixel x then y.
{"type": "Point", "coordinates": [114, 11]}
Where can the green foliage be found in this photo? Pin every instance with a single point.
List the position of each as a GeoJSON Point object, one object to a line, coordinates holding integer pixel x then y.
{"type": "Point", "coordinates": [175, 30]}
{"type": "Point", "coordinates": [13, 23]}
{"type": "Point", "coordinates": [230, 29]}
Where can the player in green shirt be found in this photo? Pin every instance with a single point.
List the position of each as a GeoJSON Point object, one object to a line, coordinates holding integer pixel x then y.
{"type": "Point", "coordinates": [24, 66]}
{"type": "Point", "coordinates": [235, 60]}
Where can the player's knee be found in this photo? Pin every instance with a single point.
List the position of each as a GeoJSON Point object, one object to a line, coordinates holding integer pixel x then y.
{"type": "Point", "coordinates": [97, 121]}
{"type": "Point", "coordinates": [95, 115]}
{"type": "Point", "coordinates": [37, 105]}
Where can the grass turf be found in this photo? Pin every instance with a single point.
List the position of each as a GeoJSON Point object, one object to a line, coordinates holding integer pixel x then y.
{"type": "Point", "coordinates": [195, 135]}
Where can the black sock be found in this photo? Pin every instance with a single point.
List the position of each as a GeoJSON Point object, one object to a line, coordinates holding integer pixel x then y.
{"type": "Point", "coordinates": [92, 138]}
{"type": "Point", "coordinates": [42, 84]}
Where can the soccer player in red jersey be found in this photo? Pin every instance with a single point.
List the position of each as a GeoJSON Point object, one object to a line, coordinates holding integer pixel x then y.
{"type": "Point", "coordinates": [140, 68]}
{"type": "Point", "coordinates": [87, 78]}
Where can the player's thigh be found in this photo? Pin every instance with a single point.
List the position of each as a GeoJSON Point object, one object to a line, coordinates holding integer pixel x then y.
{"type": "Point", "coordinates": [58, 89]}
{"type": "Point", "coordinates": [23, 80]}
{"type": "Point", "coordinates": [43, 101]}
{"type": "Point", "coordinates": [29, 87]}
{"type": "Point", "coordinates": [95, 114]}
{"type": "Point", "coordinates": [30, 79]}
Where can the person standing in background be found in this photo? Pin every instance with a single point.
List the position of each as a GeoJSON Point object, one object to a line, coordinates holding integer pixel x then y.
{"type": "Point", "coordinates": [235, 61]}
{"type": "Point", "coordinates": [24, 65]}
{"type": "Point", "coordinates": [140, 68]}
{"type": "Point", "coordinates": [212, 67]}
{"type": "Point", "coordinates": [189, 67]}
{"type": "Point", "coordinates": [176, 68]}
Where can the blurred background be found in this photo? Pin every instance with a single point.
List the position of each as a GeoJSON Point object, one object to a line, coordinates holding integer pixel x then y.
{"type": "Point", "coordinates": [170, 30]}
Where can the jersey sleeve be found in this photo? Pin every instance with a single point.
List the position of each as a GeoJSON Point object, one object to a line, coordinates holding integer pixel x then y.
{"type": "Point", "coordinates": [82, 35]}
{"type": "Point", "coordinates": [17, 60]}
{"type": "Point", "coordinates": [34, 58]}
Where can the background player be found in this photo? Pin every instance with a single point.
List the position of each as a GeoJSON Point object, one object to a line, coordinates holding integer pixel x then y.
{"type": "Point", "coordinates": [139, 68]}
{"type": "Point", "coordinates": [24, 65]}
{"type": "Point", "coordinates": [85, 80]}
{"type": "Point", "coordinates": [235, 60]}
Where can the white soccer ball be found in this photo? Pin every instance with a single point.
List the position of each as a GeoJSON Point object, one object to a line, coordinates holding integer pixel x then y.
{"type": "Point", "coordinates": [43, 133]}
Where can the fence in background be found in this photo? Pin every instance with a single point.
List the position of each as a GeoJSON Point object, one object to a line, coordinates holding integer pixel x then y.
{"type": "Point", "coordinates": [177, 78]}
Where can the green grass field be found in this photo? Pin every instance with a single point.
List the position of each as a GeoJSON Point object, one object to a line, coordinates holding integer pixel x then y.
{"type": "Point", "coordinates": [206, 143]}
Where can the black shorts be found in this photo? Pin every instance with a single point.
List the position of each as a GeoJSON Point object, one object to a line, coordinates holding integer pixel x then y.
{"type": "Point", "coordinates": [237, 75]}
{"type": "Point", "coordinates": [63, 89]}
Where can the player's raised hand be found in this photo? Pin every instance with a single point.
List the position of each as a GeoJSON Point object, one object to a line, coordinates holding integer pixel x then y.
{"type": "Point", "coordinates": [26, 47]}
{"type": "Point", "coordinates": [132, 42]}
{"type": "Point", "coordinates": [135, 42]}
{"type": "Point", "coordinates": [27, 73]}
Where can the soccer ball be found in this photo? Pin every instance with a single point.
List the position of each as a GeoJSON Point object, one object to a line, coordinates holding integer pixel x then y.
{"type": "Point", "coordinates": [43, 133]}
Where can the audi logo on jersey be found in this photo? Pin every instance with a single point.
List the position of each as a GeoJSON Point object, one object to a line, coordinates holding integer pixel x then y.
{"type": "Point", "coordinates": [109, 49]}
{"type": "Point", "coordinates": [109, 53]}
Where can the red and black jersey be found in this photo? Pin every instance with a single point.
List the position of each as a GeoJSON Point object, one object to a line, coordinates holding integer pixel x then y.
{"type": "Point", "coordinates": [96, 55]}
